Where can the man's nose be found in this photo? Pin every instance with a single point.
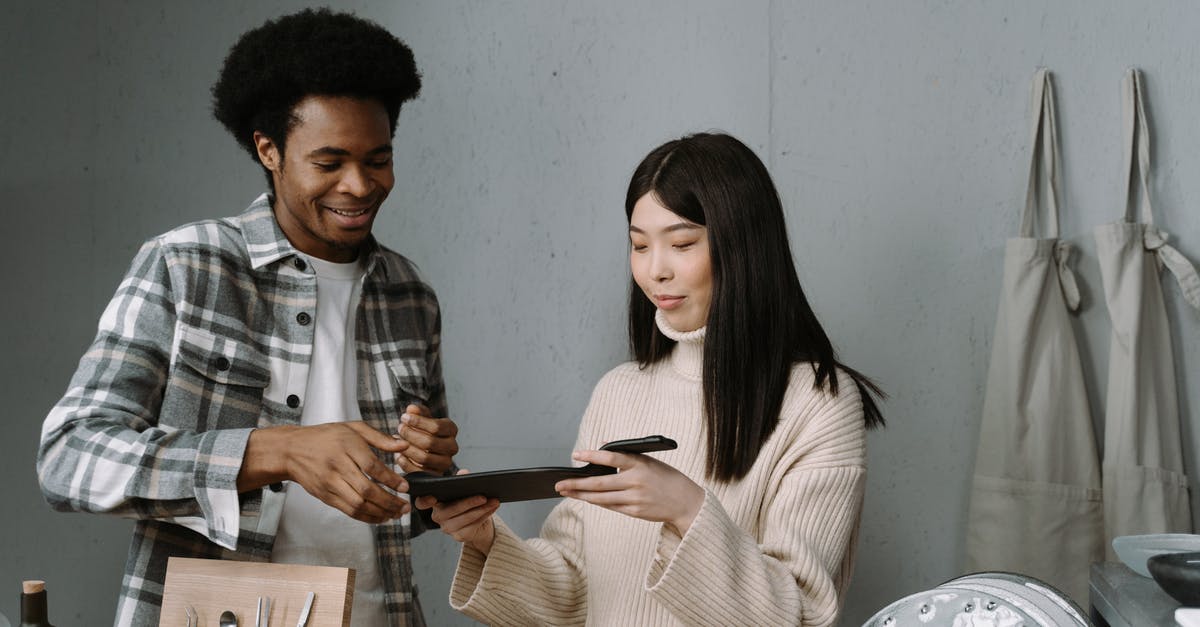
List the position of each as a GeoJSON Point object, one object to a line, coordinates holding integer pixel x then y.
{"type": "Point", "coordinates": [356, 182]}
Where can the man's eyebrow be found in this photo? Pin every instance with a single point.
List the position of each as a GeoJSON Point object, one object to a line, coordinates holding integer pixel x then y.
{"type": "Point", "coordinates": [679, 226]}
{"type": "Point", "coordinates": [330, 151]}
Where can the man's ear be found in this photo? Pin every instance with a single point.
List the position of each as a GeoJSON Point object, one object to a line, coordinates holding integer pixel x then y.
{"type": "Point", "coordinates": [268, 152]}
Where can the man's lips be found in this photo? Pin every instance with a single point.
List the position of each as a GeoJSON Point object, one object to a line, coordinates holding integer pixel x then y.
{"type": "Point", "coordinates": [350, 212]}
{"type": "Point", "coordinates": [353, 217]}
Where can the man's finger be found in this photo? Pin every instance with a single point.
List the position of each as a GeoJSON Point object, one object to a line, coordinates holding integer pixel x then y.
{"type": "Point", "coordinates": [368, 495]}
{"type": "Point", "coordinates": [440, 427]}
{"type": "Point", "coordinates": [416, 408]}
{"type": "Point", "coordinates": [408, 465]}
{"type": "Point", "coordinates": [375, 438]}
{"type": "Point", "coordinates": [345, 497]}
{"type": "Point", "coordinates": [378, 471]}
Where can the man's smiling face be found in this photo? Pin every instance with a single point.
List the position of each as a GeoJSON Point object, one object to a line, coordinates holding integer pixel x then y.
{"type": "Point", "coordinates": [334, 174]}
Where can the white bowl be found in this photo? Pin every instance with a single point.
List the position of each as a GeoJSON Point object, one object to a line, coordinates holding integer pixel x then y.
{"type": "Point", "coordinates": [1135, 550]}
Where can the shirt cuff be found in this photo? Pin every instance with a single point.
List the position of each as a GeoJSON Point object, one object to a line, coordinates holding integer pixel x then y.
{"type": "Point", "coordinates": [218, 461]}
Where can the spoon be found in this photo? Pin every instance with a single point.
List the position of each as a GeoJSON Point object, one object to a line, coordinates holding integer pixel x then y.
{"type": "Point", "coordinates": [228, 619]}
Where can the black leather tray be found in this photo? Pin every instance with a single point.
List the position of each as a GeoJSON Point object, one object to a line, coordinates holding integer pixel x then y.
{"type": "Point", "coordinates": [524, 484]}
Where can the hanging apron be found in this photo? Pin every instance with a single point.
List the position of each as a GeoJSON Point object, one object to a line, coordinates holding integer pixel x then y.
{"type": "Point", "coordinates": [1035, 498]}
{"type": "Point", "coordinates": [1145, 489]}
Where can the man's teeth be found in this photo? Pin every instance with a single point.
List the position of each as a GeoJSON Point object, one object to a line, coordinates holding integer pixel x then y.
{"type": "Point", "coordinates": [348, 214]}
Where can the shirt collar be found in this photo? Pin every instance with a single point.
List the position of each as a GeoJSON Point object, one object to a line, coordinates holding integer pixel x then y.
{"type": "Point", "coordinates": [266, 243]}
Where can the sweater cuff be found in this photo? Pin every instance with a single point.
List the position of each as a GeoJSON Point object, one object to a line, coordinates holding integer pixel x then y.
{"type": "Point", "coordinates": [680, 561]}
{"type": "Point", "coordinates": [469, 589]}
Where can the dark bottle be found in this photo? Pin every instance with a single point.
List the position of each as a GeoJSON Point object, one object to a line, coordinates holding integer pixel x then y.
{"type": "Point", "coordinates": [33, 604]}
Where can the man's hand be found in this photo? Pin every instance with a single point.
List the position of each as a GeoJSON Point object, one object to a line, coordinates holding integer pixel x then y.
{"type": "Point", "coordinates": [430, 444]}
{"type": "Point", "coordinates": [334, 462]}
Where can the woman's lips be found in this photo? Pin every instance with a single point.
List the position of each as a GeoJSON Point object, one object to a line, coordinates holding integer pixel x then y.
{"type": "Point", "coordinates": [668, 302]}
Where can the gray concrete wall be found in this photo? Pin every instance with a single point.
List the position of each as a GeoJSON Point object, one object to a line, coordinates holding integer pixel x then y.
{"type": "Point", "coordinates": [897, 133]}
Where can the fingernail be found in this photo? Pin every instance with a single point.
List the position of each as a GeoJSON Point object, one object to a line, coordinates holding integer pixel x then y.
{"type": "Point", "coordinates": [404, 418]}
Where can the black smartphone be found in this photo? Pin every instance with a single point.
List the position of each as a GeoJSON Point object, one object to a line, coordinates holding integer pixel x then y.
{"type": "Point", "coordinates": [648, 444]}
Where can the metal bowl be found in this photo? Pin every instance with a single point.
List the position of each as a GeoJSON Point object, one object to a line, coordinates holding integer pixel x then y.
{"type": "Point", "coordinates": [1178, 574]}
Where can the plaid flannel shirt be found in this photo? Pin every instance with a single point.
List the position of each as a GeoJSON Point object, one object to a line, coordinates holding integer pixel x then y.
{"type": "Point", "coordinates": [208, 337]}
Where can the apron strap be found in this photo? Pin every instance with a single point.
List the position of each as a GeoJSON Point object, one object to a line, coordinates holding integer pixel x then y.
{"type": "Point", "coordinates": [1136, 132]}
{"type": "Point", "coordinates": [1045, 152]}
{"type": "Point", "coordinates": [1066, 278]}
{"type": "Point", "coordinates": [1155, 240]}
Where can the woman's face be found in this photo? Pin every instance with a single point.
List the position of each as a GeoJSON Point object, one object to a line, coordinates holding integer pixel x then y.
{"type": "Point", "coordinates": [670, 262]}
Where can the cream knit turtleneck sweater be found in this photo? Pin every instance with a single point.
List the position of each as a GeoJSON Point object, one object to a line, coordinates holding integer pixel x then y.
{"type": "Point", "coordinates": [775, 548]}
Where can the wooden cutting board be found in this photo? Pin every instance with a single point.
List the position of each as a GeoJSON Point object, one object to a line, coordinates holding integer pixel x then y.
{"type": "Point", "coordinates": [213, 586]}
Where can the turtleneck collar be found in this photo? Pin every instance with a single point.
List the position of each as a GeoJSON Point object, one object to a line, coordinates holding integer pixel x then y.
{"type": "Point", "coordinates": [688, 356]}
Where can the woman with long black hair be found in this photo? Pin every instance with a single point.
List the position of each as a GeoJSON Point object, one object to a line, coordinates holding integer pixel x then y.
{"type": "Point", "coordinates": [753, 519]}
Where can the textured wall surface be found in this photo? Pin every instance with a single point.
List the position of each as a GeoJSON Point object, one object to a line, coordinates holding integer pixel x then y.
{"type": "Point", "coordinates": [896, 131]}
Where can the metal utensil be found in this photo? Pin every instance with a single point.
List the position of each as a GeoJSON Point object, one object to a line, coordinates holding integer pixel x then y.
{"type": "Point", "coordinates": [307, 608]}
{"type": "Point", "coordinates": [193, 619]}
{"type": "Point", "coordinates": [263, 617]}
{"type": "Point", "coordinates": [228, 619]}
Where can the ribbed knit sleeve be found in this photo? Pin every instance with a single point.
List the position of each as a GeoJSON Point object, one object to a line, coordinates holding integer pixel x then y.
{"type": "Point", "coordinates": [540, 581]}
{"type": "Point", "coordinates": [773, 548]}
{"type": "Point", "coordinates": [719, 575]}
{"type": "Point", "coordinates": [534, 582]}
{"type": "Point", "coordinates": [793, 569]}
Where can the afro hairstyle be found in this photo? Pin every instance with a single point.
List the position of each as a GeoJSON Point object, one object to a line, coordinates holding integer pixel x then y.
{"type": "Point", "coordinates": [313, 52]}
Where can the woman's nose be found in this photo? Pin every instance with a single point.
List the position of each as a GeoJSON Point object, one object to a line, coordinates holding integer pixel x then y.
{"type": "Point", "coordinates": [660, 267]}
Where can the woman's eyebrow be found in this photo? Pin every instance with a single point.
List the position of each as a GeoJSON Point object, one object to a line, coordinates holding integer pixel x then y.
{"type": "Point", "coordinates": [679, 226]}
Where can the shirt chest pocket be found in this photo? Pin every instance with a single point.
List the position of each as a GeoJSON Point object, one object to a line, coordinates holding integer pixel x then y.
{"type": "Point", "coordinates": [215, 382]}
{"type": "Point", "coordinates": [408, 376]}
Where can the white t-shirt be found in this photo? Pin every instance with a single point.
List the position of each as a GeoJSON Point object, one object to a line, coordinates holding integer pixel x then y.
{"type": "Point", "coordinates": [311, 532]}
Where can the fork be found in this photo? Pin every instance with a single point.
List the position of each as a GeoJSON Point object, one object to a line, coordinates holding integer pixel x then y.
{"type": "Point", "coordinates": [193, 619]}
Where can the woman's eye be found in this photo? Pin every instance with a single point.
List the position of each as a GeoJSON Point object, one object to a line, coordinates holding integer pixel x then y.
{"type": "Point", "coordinates": [684, 245]}
{"type": "Point", "coordinates": [638, 247]}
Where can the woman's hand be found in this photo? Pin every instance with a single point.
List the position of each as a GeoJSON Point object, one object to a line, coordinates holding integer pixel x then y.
{"type": "Point", "coordinates": [469, 520]}
{"type": "Point", "coordinates": [643, 488]}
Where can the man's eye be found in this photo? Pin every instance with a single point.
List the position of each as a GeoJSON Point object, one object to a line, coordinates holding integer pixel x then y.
{"type": "Point", "coordinates": [380, 164]}
{"type": "Point", "coordinates": [326, 167]}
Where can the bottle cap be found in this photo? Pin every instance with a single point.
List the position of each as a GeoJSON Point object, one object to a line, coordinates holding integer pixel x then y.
{"type": "Point", "coordinates": [33, 586]}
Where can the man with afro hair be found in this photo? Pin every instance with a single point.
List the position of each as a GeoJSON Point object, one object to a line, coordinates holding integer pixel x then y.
{"type": "Point", "coordinates": [259, 383]}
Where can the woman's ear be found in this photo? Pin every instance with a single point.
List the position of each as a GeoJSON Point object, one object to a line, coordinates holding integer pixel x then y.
{"type": "Point", "coordinates": [268, 152]}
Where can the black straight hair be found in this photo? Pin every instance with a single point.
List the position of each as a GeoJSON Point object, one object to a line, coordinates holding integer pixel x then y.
{"type": "Point", "coordinates": [759, 321]}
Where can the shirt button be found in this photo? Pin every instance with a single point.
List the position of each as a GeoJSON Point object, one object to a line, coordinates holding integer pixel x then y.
{"type": "Point", "coordinates": [299, 263]}
{"type": "Point", "coordinates": [293, 401]}
{"type": "Point", "coordinates": [276, 487]}
{"type": "Point", "coordinates": [222, 364]}
{"type": "Point", "coordinates": [303, 318]}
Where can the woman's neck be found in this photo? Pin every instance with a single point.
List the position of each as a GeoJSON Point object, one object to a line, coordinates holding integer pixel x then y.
{"type": "Point", "coordinates": [688, 356]}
